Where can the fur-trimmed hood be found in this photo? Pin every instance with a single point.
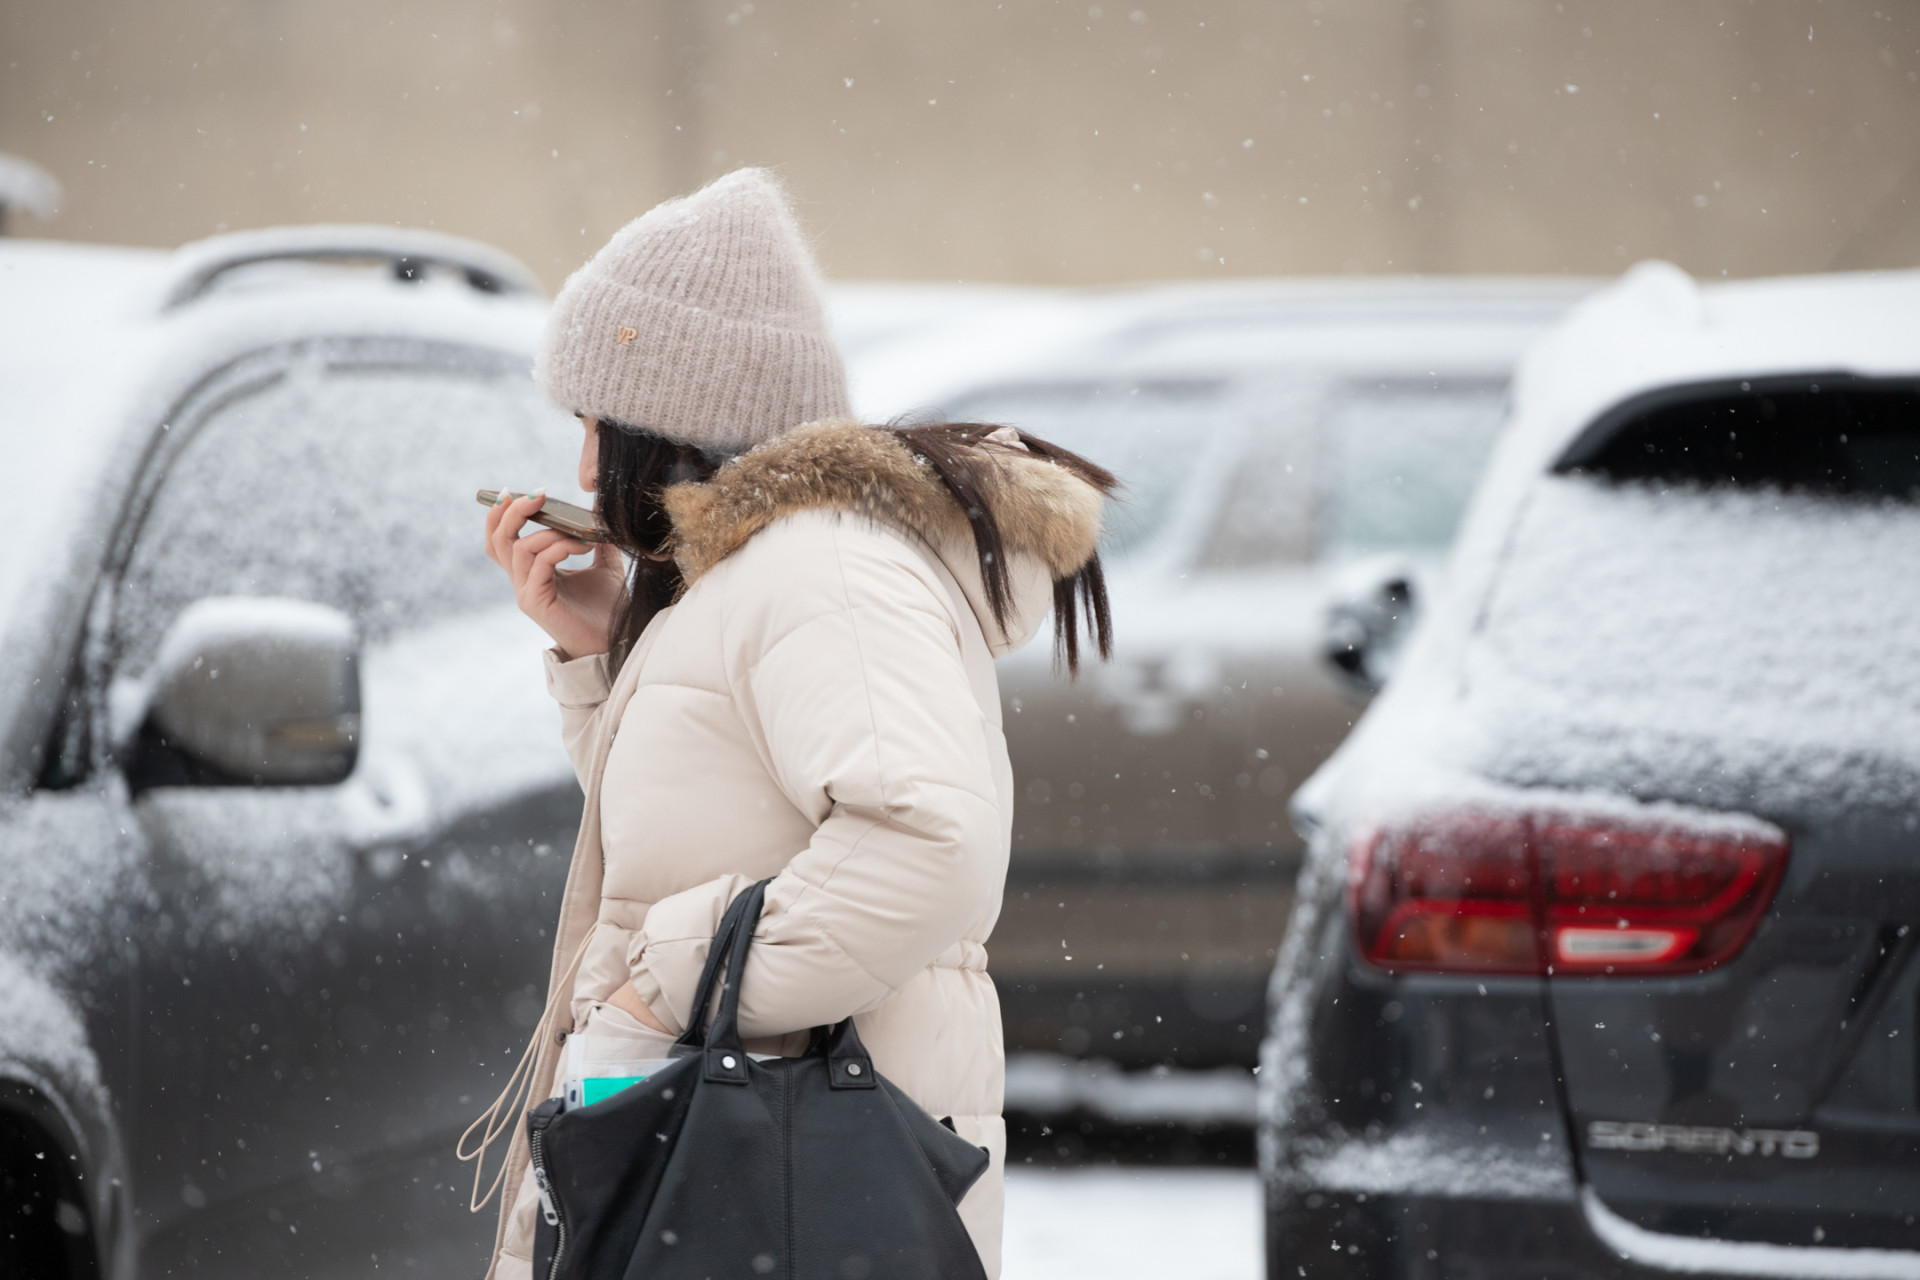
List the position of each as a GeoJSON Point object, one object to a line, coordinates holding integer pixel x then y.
{"type": "Point", "coordinates": [1049, 518]}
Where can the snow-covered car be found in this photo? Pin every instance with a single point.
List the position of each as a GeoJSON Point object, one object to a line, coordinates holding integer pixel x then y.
{"type": "Point", "coordinates": [1604, 957]}
{"type": "Point", "coordinates": [284, 807]}
{"type": "Point", "coordinates": [1285, 445]}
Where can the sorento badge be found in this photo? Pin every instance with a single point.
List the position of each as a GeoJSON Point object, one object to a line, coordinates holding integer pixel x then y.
{"type": "Point", "coordinates": [1702, 1139]}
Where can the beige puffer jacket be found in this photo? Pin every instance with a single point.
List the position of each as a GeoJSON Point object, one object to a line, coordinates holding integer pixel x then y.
{"type": "Point", "coordinates": [820, 707]}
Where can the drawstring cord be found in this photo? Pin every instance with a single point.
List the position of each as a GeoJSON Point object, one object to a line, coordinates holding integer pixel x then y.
{"type": "Point", "coordinates": [507, 1109]}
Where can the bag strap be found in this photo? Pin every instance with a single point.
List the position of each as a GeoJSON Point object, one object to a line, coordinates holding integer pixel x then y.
{"type": "Point", "coordinates": [737, 912]}
{"type": "Point", "coordinates": [848, 1064]}
{"type": "Point", "coordinates": [726, 1053]}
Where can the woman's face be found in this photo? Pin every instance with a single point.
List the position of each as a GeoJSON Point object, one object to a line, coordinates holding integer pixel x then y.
{"type": "Point", "coordinates": [589, 451]}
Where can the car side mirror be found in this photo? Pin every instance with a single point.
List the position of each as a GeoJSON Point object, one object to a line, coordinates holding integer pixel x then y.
{"type": "Point", "coordinates": [1366, 627]}
{"type": "Point", "coordinates": [247, 692]}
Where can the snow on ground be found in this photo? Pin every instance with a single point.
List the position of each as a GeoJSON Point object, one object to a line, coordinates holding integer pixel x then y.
{"type": "Point", "coordinates": [1119, 1224]}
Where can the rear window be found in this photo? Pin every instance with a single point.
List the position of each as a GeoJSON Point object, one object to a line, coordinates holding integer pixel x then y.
{"type": "Point", "coordinates": [1821, 434]}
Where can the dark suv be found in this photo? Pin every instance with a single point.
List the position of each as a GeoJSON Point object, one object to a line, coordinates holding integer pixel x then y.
{"type": "Point", "coordinates": [285, 812]}
{"type": "Point", "coordinates": [1604, 960]}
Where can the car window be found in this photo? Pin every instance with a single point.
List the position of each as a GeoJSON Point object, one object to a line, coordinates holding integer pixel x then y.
{"type": "Point", "coordinates": [1844, 436]}
{"type": "Point", "coordinates": [1150, 435]}
{"type": "Point", "coordinates": [1264, 513]}
{"type": "Point", "coordinates": [346, 478]}
{"type": "Point", "coordinates": [1402, 460]}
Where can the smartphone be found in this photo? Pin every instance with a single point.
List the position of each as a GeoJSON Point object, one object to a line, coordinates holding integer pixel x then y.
{"type": "Point", "coordinates": [594, 1071]}
{"type": "Point", "coordinates": [575, 522]}
{"type": "Point", "coordinates": [585, 1091]}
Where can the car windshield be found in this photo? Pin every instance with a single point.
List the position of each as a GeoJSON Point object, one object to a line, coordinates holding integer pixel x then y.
{"type": "Point", "coordinates": [1723, 625]}
{"type": "Point", "coordinates": [342, 475]}
{"type": "Point", "coordinates": [1150, 435]}
{"type": "Point", "coordinates": [1402, 462]}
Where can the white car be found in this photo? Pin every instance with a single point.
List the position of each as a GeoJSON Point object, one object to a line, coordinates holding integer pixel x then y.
{"type": "Point", "coordinates": [1286, 447]}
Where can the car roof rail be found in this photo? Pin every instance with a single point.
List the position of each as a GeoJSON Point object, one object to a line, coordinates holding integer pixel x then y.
{"type": "Point", "coordinates": [408, 252]}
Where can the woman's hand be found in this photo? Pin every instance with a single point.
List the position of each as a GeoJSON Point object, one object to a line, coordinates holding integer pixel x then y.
{"type": "Point", "coordinates": [573, 606]}
{"type": "Point", "coordinates": [628, 1001]}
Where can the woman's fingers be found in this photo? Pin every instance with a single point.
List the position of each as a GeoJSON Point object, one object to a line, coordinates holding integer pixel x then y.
{"type": "Point", "coordinates": [506, 521]}
{"type": "Point", "coordinates": [525, 550]}
{"type": "Point", "coordinates": [628, 1001]}
{"type": "Point", "coordinates": [569, 607]}
{"type": "Point", "coordinates": [501, 531]}
{"type": "Point", "coordinates": [540, 570]}
{"type": "Point", "coordinates": [541, 589]}
{"type": "Point", "coordinates": [494, 513]}
{"type": "Point", "coordinates": [513, 515]}
{"type": "Point", "coordinates": [561, 551]}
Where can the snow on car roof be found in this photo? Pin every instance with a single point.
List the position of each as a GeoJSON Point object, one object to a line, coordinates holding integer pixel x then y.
{"type": "Point", "coordinates": [1657, 327]}
{"type": "Point", "coordinates": [867, 314]}
{"type": "Point", "coordinates": [90, 364]}
{"type": "Point", "coordinates": [72, 320]}
{"type": "Point", "coordinates": [1446, 326]}
{"type": "Point", "coordinates": [402, 252]}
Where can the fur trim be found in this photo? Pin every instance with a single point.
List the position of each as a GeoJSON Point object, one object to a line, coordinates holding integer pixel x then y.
{"type": "Point", "coordinates": [1043, 509]}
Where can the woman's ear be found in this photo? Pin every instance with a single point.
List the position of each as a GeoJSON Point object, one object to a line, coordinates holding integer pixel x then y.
{"type": "Point", "coordinates": [589, 451]}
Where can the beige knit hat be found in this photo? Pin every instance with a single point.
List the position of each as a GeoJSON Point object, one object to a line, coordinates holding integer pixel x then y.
{"type": "Point", "coordinates": [701, 321]}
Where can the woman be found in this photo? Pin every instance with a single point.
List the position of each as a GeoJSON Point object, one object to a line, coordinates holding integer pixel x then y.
{"type": "Point", "coordinates": [795, 681]}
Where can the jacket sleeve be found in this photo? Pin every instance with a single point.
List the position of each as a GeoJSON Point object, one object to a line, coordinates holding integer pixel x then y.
{"type": "Point", "coordinates": [581, 687]}
{"type": "Point", "coordinates": [845, 660]}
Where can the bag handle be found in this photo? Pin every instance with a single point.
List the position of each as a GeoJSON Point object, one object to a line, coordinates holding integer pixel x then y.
{"type": "Point", "coordinates": [695, 1036]}
{"type": "Point", "coordinates": [726, 1053]}
{"type": "Point", "coordinates": [848, 1064]}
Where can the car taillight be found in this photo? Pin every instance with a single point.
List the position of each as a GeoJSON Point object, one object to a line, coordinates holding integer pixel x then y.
{"type": "Point", "coordinates": [1489, 892]}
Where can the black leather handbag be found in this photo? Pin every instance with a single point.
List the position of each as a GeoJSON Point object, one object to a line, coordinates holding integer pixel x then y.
{"type": "Point", "coordinates": [722, 1165]}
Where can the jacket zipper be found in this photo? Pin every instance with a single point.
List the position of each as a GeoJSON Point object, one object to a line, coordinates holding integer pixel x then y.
{"type": "Point", "coordinates": [550, 1208]}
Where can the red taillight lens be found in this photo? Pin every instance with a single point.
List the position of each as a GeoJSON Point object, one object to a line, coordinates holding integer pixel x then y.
{"type": "Point", "coordinates": [1482, 892]}
{"type": "Point", "coordinates": [1452, 892]}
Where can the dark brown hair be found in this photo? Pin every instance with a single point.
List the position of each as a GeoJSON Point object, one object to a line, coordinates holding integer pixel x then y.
{"type": "Point", "coordinates": [635, 465]}
{"type": "Point", "coordinates": [952, 449]}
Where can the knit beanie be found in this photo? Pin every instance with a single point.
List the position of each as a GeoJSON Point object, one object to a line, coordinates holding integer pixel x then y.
{"type": "Point", "coordinates": [700, 321]}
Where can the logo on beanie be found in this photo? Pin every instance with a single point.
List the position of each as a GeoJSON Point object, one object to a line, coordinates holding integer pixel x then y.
{"type": "Point", "coordinates": [625, 335]}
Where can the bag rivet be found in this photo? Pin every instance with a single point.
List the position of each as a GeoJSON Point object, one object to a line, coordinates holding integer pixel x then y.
{"type": "Point", "coordinates": [727, 1062]}
{"type": "Point", "coordinates": [853, 1068]}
